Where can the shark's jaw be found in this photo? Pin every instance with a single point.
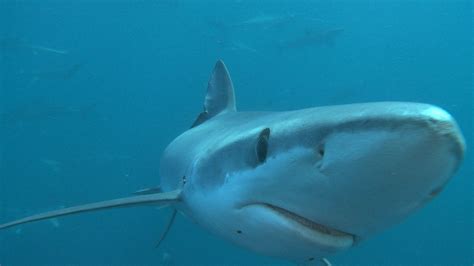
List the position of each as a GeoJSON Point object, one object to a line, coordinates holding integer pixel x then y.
{"type": "Point", "coordinates": [322, 235]}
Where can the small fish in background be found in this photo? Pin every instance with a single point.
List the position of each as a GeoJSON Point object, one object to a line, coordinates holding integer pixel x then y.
{"type": "Point", "coordinates": [39, 48]}
{"type": "Point", "coordinates": [236, 46]}
{"type": "Point", "coordinates": [266, 22]}
{"type": "Point", "coordinates": [17, 45]}
{"type": "Point", "coordinates": [170, 4]}
{"type": "Point", "coordinates": [59, 74]}
{"type": "Point", "coordinates": [12, 48]}
{"type": "Point", "coordinates": [230, 35]}
{"type": "Point", "coordinates": [313, 38]}
{"type": "Point", "coordinates": [108, 157]}
{"type": "Point", "coordinates": [42, 112]}
{"type": "Point", "coordinates": [283, 31]}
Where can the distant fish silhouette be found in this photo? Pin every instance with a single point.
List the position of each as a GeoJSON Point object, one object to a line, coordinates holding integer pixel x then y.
{"type": "Point", "coordinates": [47, 49]}
{"type": "Point", "coordinates": [236, 46]}
{"type": "Point", "coordinates": [41, 112]}
{"type": "Point", "coordinates": [60, 74]}
{"type": "Point", "coordinates": [314, 38]}
{"type": "Point", "coordinates": [63, 74]}
{"type": "Point", "coordinates": [267, 21]}
{"type": "Point", "coordinates": [17, 43]}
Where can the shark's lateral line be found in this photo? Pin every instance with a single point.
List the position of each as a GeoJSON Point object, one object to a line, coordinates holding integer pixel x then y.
{"type": "Point", "coordinates": [300, 185]}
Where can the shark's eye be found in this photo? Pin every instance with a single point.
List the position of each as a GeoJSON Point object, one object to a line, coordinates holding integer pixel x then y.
{"type": "Point", "coordinates": [261, 148]}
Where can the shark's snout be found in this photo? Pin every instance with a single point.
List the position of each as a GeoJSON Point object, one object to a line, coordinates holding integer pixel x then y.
{"type": "Point", "coordinates": [379, 169]}
{"type": "Point", "coordinates": [442, 124]}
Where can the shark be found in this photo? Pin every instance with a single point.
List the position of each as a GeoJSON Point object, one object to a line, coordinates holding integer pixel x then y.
{"type": "Point", "coordinates": [299, 185]}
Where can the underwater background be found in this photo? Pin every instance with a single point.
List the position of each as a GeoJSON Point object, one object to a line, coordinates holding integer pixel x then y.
{"type": "Point", "coordinates": [91, 92]}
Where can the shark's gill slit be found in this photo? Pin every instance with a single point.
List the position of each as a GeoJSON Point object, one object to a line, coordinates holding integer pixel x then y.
{"type": "Point", "coordinates": [321, 150]}
{"type": "Point", "coordinates": [261, 148]}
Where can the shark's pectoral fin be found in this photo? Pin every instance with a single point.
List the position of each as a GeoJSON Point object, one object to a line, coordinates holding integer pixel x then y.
{"type": "Point", "coordinates": [220, 94]}
{"type": "Point", "coordinates": [167, 228]}
{"type": "Point", "coordinates": [152, 199]}
{"type": "Point", "coordinates": [147, 191]}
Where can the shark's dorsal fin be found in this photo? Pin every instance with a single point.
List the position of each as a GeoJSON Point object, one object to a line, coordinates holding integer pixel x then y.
{"type": "Point", "coordinates": [220, 94]}
{"type": "Point", "coordinates": [151, 199]}
{"type": "Point", "coordinates": [220, 91]}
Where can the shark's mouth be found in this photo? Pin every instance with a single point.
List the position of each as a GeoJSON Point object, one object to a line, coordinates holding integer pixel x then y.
{"type": "Point", "coordinates": [328, 237]}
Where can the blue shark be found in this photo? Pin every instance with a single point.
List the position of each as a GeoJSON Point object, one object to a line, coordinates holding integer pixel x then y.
{"type": "Point", "coordinates": [299, 185]}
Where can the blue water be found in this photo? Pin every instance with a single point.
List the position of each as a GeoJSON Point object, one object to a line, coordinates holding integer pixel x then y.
{"type": "Point", "coordinates": [93, 91]}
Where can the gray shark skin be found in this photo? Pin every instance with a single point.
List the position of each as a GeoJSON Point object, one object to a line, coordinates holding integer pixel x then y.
{"type": "Point", "coordinates": [300, 185]}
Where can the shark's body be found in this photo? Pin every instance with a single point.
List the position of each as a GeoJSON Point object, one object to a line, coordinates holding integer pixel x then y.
{"type": "Point", "coordinates": [300, 185]}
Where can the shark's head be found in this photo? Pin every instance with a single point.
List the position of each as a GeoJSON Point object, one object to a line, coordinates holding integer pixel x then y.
{"type": "Point", "coordinates": [303, 184]}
